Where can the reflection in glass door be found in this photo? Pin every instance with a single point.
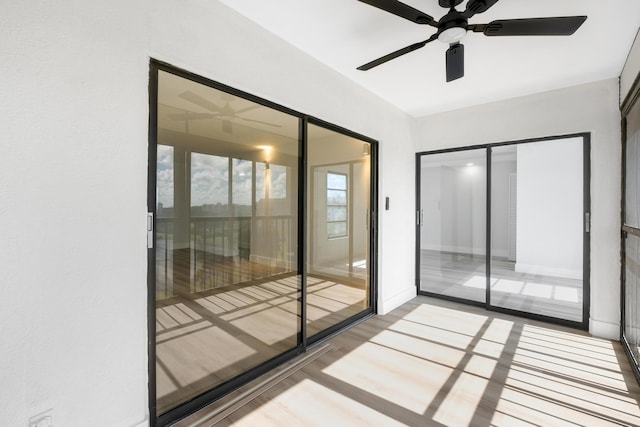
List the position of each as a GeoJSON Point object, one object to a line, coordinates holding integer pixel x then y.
{"type": "Point", "coordinates": [631, 235]}
{"type": "Point", "coordinates": [251, 258]}
{"type": "Point", "coordinates": [537, 207]}
{"type": "Point", "coordinates": [227, 282]}
{"type": "Point", "coordinates": [338, 249]}
{"type": "Point", "coordinates": [536, 226]}
{"type": "Point", "coordinates": [452, 224]}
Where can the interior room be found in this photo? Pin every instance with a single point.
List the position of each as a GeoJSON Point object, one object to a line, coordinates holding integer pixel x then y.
{"type": "Point", "coordinates": [235, 212]}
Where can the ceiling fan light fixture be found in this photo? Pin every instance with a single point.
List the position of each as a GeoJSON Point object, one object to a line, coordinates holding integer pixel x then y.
{"type": "Point", "coordinates": [452, 35]}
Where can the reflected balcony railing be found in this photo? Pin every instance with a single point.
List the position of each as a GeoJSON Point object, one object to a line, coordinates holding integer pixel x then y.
{"type": "Point", "coordinates": [220, 251]}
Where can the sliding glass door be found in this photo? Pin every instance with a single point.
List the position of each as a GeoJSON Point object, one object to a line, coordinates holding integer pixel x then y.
{"type": "Point", "coordinates": [338, 215]}
{"type": "Point", "coordinates": [452, 221]}
{"type": "Point", "coordinates": [251, 255]}
{"type": "Point", "coordinates": [227, 280]}
{"type": "Point", "coordinates": [537, 228]}
{"type": "Point", "coordinates": [631, 235]}
{"type": "Point", "coordinates": [506, 226]}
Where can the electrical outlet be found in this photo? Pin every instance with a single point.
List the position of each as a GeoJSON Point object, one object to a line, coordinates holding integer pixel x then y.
{"type": "Point", "coordinates": [43, 419]}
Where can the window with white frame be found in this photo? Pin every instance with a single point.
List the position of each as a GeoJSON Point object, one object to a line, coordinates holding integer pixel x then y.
{"type": "Point", "coordinates": [337, 205]}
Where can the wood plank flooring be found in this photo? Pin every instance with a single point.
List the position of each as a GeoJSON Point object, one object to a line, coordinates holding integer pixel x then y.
{"type": "Point", "coordinates": [437, 363]}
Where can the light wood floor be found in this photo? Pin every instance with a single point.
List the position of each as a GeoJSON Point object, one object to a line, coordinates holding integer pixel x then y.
{"type": "Point", "coordinates": [437, 363]}
{"type": "Point", "coordinates": [463, 276]}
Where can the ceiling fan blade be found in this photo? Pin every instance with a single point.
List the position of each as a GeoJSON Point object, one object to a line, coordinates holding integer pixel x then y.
{"type": "Point", "coordinates": [478, 6]}
{"type": "Point", "coordinates": [403, 11]}
{"type": "Point", "coordinates": [249, 108]}
{"type": "Point", "coordinates": [261, 122]}
{"type": "Point", "coordinates": [199, 100]}
{"type": "Point", "coordinates": [188, 115]}
{"type": "Point", "coordinates": [455, 62]}
{"type": "Point", "coordinates": [558, 26]}
{"type": "Point", "coordinates": [397, 53]}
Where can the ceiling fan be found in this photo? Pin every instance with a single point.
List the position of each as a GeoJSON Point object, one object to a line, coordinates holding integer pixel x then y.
{"type": "Point", "coordinates": [225, 113]}
{"type": "Point", "coordinates": [453, 26]}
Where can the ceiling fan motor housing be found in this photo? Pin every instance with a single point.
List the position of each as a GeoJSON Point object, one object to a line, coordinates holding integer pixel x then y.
{"type": "Point", "coordinates": [449, 3]}
{"type": "Point", "coordinates": [452, 27]}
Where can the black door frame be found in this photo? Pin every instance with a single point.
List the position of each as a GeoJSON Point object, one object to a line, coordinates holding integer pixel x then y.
{"type": "Point", "coordinates": [304, 344]}
{"type": "Point", "coordinates": [586, 264]}
{"type": "Point", "coordinates": [630, 102]}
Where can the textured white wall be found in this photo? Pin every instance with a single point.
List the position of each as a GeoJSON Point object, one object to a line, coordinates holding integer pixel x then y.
{"type": "Point", "coordinates": [73, 185]}
{"type": "Point", "coordinates": [586, 108]}
{"type": "Point", "coordinates": [73, 102]}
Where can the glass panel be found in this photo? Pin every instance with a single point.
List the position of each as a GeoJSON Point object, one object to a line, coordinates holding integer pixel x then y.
{"type": "Point", "coordinates": [336, 229]}
{"type": "Point", "coordinates": [241, 188]}
{"type": "Point", "coordinates": [452, 234]}
{"type": "Point", "coordinates": [338, 268]}
{"type": "Point", "coordinates": [632, 294]}
{"type": "Point", "coordinates": [536, 228]}
{"type": "Point", "coordinates": [337, 213]}
{"type": "Point", "coordinates": [227, 283]}
{"type": "Point", "coordinates": [632, 180]}
{"type": "Point", "coordinates": [337, 182]}
{"type": "Point", "coordinates": [209, 185]}
{"type": "Point", "coordinates": [164, 222]}
{"type": "Point", "coordinates": [336, 197]}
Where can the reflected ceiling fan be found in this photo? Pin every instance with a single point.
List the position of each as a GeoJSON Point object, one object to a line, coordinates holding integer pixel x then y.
{"type": "Point", "coordinates": [186, 116]}
{"type": "Point", "coordinates": [453, 26]}
{"type": "Point", "coordinates": [225, 113]}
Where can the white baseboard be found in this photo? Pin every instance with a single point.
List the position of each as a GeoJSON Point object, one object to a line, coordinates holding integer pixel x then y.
{"type": "Point", "coordinates": [388, 305]}
{"type": "Point", "coordinates": [606, 330]}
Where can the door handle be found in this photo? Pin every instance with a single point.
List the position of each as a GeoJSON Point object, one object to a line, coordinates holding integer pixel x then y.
{"type": "Point", "coordinates": [149, 230]}
{"type": "Point", "coordinates": [587, 222]}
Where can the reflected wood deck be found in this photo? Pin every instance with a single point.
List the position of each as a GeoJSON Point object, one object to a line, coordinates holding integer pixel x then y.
{"type": "Point", "coordinates": [437, 363]}
{"type": "Point", "coordinates": [204, 339]}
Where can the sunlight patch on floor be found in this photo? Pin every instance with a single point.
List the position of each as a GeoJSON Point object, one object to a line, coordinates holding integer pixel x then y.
{"type": "Point", "coordinates": [419, 330]}
{"type": "Point", "coordinates": [460, 405]}
{"type": "Point", "coordinates": [405, 380]}
{"type": "Point", "coordinates": [447, 319]}
{"type": "Point", "coordinates": [425, 349]}
{"type": "Point", "coordinates": [311, 404]}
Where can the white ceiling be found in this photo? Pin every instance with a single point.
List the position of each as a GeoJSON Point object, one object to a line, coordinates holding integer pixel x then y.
{"type": "Point", "coordinates": [344, 34]}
